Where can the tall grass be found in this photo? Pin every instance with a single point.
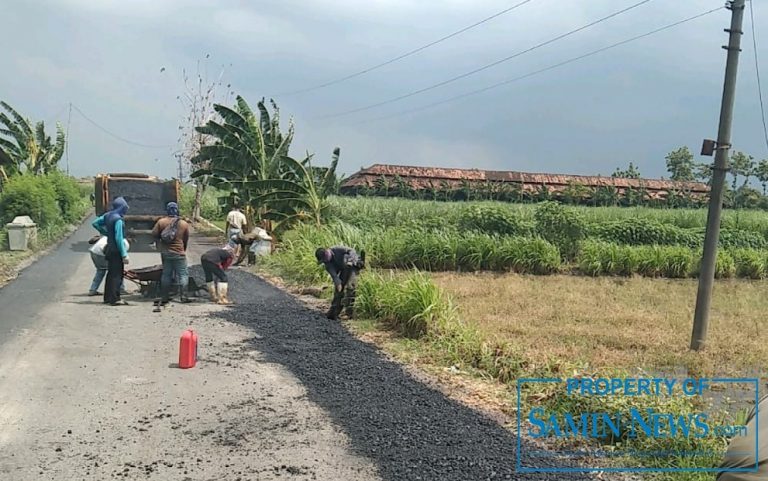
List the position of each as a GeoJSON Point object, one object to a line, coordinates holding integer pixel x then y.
{"type": "Point", "coordinates": [410, 303]}
{"type": "Point", "coordinates": [603, 258]}
{"type": "Point", "coordinates": [397, 212]}
{"type": "Point", "coordinates": [431, 250]}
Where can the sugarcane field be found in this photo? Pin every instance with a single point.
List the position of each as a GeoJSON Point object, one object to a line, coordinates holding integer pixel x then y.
{"type": "Point", "coordinates": [384, 241]}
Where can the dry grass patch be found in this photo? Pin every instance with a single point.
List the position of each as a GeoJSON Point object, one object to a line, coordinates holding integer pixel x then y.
{"type": "Point", "coordinates": [625, 323]}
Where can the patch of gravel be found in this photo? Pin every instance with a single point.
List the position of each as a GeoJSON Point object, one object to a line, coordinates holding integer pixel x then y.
{"type": "Point", "coordinates": [408, 429]}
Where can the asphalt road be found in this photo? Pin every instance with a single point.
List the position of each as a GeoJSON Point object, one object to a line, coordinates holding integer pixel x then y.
{"type": "Point", "coordinates": [92, 392]}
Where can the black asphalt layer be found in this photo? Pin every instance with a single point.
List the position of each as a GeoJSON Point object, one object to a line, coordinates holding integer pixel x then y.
{"type": "Point", "coordinates": [39, 283]}
{"type": "Point", "coordinates": [409, 430]}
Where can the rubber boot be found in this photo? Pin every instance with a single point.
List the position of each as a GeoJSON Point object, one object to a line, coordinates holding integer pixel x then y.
{"type": "Point", "coordinates": [212, 291]}
{"type": "Point", "coordinates": [336, 307]}
{"type": "Point", "coordinates": [183, 296]}
{"type": "Point", "coordinates": [223, 288]}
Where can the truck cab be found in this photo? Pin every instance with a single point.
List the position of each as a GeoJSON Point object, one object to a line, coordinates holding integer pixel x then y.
{"type": "Point", "coordinates": [147, 197]}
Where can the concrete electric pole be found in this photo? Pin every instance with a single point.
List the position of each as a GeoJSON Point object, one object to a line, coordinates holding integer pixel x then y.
{"type": "Point", "coordinates": [708, 261]}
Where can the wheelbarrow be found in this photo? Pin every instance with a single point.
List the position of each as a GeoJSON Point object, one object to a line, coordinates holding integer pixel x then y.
{"type": "Point", "coordinates": [148, 280]}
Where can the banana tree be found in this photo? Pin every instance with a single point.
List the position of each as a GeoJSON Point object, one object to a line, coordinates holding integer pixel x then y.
{"type": "Point", "coordinates": [27, 148]}
{"type": "Point", "coordinates": [300, 195]}
{"type": "Point", "coordinates": [246, 149]}
{"type": "Point", "coordinates": [250, 160]}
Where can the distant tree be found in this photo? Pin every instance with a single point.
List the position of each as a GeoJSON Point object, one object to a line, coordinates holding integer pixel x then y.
{"type": "Point", "coordinates": [703, 173]}
{"type": "Point", "coordinates": [606, 195]}
{"type": "Point", "coordinates": [741, 165]}
{"type": "Point", "coordinates": [402, 187]}
{"type": "Point", "coordinates": [680, 164]}
{"type": "Point", "coordinates": [761, 172]}
{"type": "Point", "coordinates": [465, 190]}
{"type": "Point", "coordinates": [198, 101]}
{"type": "Point", "coordinates": [381, 186]}
{"type": "Point", "coordinates": [631, 172]}
{"type": "Point", "coordinates": [576, 193]}
{"type": "Point", "coordinates": [542, 193]}
{"type": "Point", "coordinates": [445, 190]}
{"type": "Point", "coordinates": [747, 197]}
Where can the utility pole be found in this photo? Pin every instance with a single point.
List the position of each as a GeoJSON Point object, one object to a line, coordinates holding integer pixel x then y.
{"type": "Point", "coordinates": [720, 168]}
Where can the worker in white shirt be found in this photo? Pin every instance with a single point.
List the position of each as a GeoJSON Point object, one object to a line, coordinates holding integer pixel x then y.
{"type": "Point", "coordinates": [100, 263]}
{"type": "Point", "coordinates": [236, 223]}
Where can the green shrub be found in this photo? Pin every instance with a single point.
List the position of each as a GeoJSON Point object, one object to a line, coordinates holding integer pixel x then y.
{"type": "Point", "coordinates": [725, 267]}
{"type": "Point", "coordinates": [561, 226]}
{"type": "Point", "coordinates": [68, 196]}
{"type": "Point", "coordinates": [527, 256]}
{"type": "Point", "coordinates": [493, 219]}
{"type": "Point", "coordinates": [411, 304]}
{"type": "Point", "coordinates": [432, 251]}
{"type": "Point", "coordinates": [641, 231]}
{"type": "Point", "coordinates": [209, 204]}
{"type": "Point", "coordinates": [472, 251]}
{"type": "Point", "coordinates": [30, 195]}
{"type": "Point", "coordinates": [604, 258]}
{"type": "Point", "coordinates": [678, 261]}
{"type": "Point", "coordinates": [750, 263]}
{"type": "Point", "coordinates": [734, 238]}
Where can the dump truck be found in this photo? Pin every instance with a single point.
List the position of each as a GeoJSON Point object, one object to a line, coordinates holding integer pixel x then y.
{"type": "Point", "coordinates": [146, 195]}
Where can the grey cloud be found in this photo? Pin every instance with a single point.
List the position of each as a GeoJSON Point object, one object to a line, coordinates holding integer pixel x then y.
{"type": "Point", "coordinates": [634, 103]}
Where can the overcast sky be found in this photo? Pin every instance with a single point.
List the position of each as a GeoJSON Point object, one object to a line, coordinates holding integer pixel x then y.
{"type": "Point", "coordinates": [632, 103]}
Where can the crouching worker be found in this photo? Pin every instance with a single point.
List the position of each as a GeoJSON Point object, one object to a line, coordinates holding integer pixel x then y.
{"type": "Point", "coordinates": [101, 265]}
{"type": "Point", "coordinates": [343, 264]}
{"type": "Point", "coordinates": [215, 262]}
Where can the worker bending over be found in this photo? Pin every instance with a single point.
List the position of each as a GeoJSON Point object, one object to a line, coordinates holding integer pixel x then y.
{"type": "Point", "coordinates": [215, 262]}
{"type": "Point", "coordinates": [343, 264]}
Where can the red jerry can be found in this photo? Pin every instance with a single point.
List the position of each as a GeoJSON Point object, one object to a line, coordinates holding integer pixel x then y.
{"type": "Point", "coordinates": [188, 349]}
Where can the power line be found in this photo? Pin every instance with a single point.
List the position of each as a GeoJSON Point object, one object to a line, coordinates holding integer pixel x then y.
{"type": "Point", "coordinates": [122, 139]}
{"type": "Point", "coordinates": [407, 54]}
{"type": "Point", "coordinates": [487, 66]}
{"type": "Point", "coordinates": [757, 70]}
{"type": "Point", "coordinates": [545, 69]}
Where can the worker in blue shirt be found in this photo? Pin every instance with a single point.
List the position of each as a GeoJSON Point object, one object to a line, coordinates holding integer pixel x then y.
{"type": "Point", "coordinates": [112, 225]}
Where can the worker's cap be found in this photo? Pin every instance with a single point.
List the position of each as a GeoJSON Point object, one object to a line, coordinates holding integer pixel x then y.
{"type": "Point", "coordinates": [323, 255]}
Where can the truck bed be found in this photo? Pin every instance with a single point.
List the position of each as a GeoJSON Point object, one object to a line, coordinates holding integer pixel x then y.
{"type": "Point", "coordinates": [146, 196]}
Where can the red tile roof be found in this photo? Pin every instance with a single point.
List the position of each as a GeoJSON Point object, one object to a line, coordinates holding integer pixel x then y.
{"type": "Point", "coordinates": [421, 177]}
